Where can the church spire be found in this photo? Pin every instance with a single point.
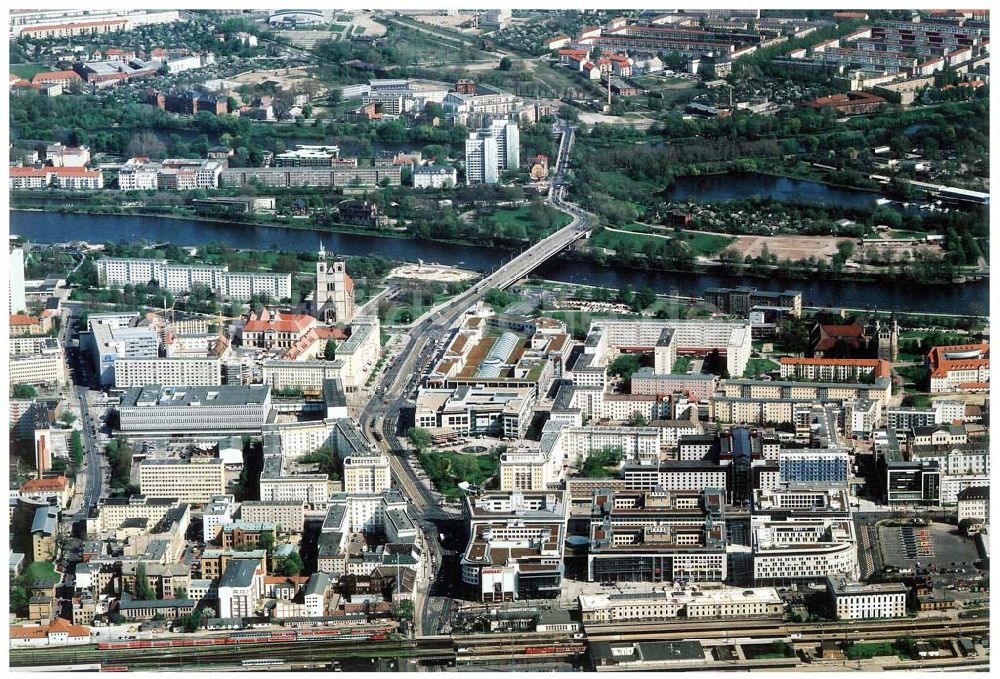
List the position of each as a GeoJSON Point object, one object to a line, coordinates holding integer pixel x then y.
{"type": "Point", "coordinates": [322, 250]}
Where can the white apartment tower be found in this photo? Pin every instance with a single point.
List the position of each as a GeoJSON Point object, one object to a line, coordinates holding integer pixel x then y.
{"type": "Point", "coordinates": [481, 159]}
{"type": "Point", "coordinates": [16, 263]}
{"type": "Point", "coordinates": [334, 300]}
{"type": "Point", "coordinates": [508, 144]}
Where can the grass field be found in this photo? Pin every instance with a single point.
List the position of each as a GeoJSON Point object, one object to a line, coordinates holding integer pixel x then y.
{"type": "Point", "coordinates": [507, 218]}
{"type": "Point", "coordinates": [758, 366]}
{"type": "Point", "coordinates": [706, 243]}
{"type": "Point", "coordinates": [701, 244]}
{"type": "Point", "coordinates": [27, 71]}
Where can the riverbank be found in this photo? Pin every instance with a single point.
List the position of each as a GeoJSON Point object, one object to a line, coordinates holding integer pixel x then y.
{"type": "Point", "coordinates": [56, 227]}
{"type": "Point", "coordinates": [301, 225]}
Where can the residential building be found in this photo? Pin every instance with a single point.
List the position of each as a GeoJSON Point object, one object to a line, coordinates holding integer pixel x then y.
{"type": "Point", "coordinates": [434, 177]}
{"type": "Point", "coordinates": [15, 279]}
{"type": "Point", "coordinates": [70, 178]}
{"type": "Point", "coordinates": [289, 517]}
{"type": "Point", "coordinates": [36, 361]}
{"type": "Point", "coordinates": [481, 159]}
{"type": "Point", "coordinates": [195, 481]}
{"type": "Point", "coordinates": [193, 372]}
{"type": "Point", "coordinates": [974, 504]}
{"type": "Point", "coordinates": [236, 286]}
{"type": "Point", "coordinates": [285, 177]}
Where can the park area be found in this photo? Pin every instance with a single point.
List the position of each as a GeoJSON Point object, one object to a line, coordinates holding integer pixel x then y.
{"type": "Point", "coordinates": [446, 469]}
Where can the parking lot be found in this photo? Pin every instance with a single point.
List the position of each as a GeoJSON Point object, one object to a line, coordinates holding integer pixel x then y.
{"type": "Point", "coordinates": [937, 545]}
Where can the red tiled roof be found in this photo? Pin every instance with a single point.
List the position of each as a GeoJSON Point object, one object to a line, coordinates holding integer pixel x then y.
{"type": "Point", "coordinates": [22, 319]}
{"type": "Point", "coordinates": [41, 485]}
{"type": "Point", "coordinates": [279, 322]}
{"type": "Point", "coordinates": [81, 24]}
{"type": "Point", "coordinates": [327, 332]}
{"type": "Point", "coordinates": [55, 75]}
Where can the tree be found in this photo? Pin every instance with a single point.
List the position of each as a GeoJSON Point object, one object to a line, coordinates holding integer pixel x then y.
{"type": "Point", "coordinates": [142, 589]}
{"type": "Point", "coordinates": [146, 144]}
{"type": "Point", "coordinates": [307, 111]}
{"type": "Point", "coordinates": [24, 391]}
{"type": "Point", "coordinates": [420, 438]}
{"type": "Point", "coordinates": [637, 419]}
{"type": "Point", "coordinates": [67, 418]}
{"type": "Point", "coordinates": [18, 599]}
{"type": "Point", "coordinates": [330, 351]}
{"type": "Point", "coordinates": [291, 565]}
{"type": "Point", "coordinates": [267, 541]}
{"type": "Point", "coordinates": [76, 446]}
{"type": "Point", "coordinates": [506, 64]}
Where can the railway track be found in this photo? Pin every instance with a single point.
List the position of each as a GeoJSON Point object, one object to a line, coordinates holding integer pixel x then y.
{"type": "Point", "coordinates": [797, 631]}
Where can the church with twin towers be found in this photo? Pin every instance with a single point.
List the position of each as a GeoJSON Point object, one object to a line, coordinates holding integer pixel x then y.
{"type": "Point", "coordinates": [333, 301]}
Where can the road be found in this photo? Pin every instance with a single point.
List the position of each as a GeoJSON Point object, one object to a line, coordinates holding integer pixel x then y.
{"type": "Point", "coordinates": [79, 394]}
{"type": "Point", "coordinates": [427, 340]}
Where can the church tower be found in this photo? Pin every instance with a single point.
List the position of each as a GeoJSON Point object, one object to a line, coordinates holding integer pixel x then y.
{"type": "Point", "coordinates": [334, 299]}
{"type": "Point", "coordinates": [886, 338]}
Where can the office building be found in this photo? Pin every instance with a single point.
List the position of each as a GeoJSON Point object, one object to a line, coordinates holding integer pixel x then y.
{"type": "Point", "coordinates": [964, 367]}
{"type": "Point", "coordinates": [657, 536]}
{"type": "Point", "coordinates": [195, 481]}
{"type": "Point", "coordinates": [240, 588]}
{"type": "Point", "coordinates": [219, 512]}
{"type": "Point", "coordinates": [476, 411]}
{"type": "Point", "coordinates": [196, 410]}
{"type": "Point", "coordinates": [515, 548]}
{"type": "Point", "coordinates": [792, 547]}
{"type": "Point", "coordinates": [854, 601]}
{"type": "Point", "coordinates": [676, 602]}
{"type": "Point", "coordinates": [741, 301]}
{"type": "Point", "coordinates": [107, 344]}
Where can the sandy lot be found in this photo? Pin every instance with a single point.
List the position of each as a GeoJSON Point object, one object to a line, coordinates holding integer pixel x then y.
{"type": "Point", "coordinates": [453, 22]}
{"type": "Point", "coordinates": [280, 74]}
{"type": "Point", "coordinates": [431, 272]}
{"type": "Point", "coordinates": [792, 247]}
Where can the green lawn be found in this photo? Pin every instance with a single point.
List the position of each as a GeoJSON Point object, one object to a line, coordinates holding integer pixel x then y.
{"type": "Point", "coordinates": [447, 469]}
{"type": "Point", "coordinates": [507, 218]}
{"type": "Point", "coordinates": [40, 571]}
{"type": "Point", "coordinates": [758, 366]}
{"type": "Point", "coordinates": [706, 243]}
{"type": "Point", "coordinates": [27, 71]}
{"type": "Point", "coordinates": [701, 244]}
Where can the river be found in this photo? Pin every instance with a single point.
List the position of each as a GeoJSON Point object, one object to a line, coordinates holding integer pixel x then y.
{"type": "Point", "coordinates": [712, 188]}
{"type": "Point", "coordinates": [51, 227]}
